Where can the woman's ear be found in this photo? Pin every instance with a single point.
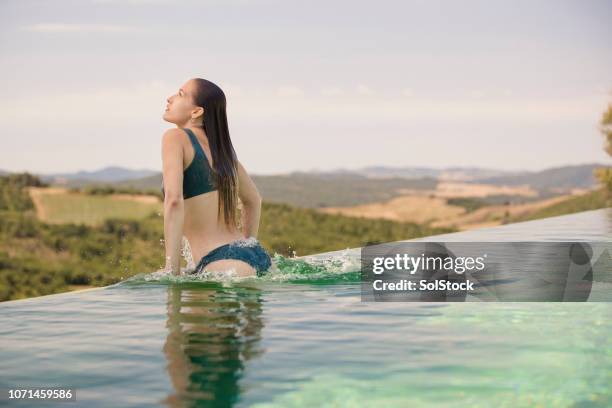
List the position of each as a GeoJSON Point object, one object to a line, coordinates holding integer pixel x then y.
{"type": "Point", "coordinates": [199, 111]}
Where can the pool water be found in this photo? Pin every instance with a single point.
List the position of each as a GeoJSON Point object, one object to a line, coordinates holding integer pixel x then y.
{"type": "Point", "coordinates": [301, 337]}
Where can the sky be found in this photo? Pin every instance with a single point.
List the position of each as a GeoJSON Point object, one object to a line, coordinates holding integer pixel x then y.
{"type": "Point", "coordinates": [317, 85]}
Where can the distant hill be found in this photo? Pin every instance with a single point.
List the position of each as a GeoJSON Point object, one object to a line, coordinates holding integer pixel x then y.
{"type": "Point", "coordinates": [111, 174]}
{"type": "Point", "coordinates": [316, 190]}
{"type": "Point", "coordinates": [565, 177]}
{"type": "Point", "coordinates": [330, 190]}
{"type": "Point", "coordinates": [447, 173]}
{"type": "Point", "coordinates": [145, 183]}
{"type": "Point", "coordinates": [116, 174]}
{"type": "Point", "coordinates": [342, 187]}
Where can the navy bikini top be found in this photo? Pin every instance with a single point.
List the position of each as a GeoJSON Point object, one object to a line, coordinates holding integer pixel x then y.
{"type": "Point", "coordinates": [197, 177]}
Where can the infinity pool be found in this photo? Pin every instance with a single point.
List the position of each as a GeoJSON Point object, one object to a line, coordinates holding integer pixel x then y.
{"type": "Point", "coordinates": [301, 337]}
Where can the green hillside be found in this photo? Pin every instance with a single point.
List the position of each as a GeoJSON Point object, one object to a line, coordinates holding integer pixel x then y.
{"type": "Point", "coordinates": [564, 177]}
{"type": "Point", "coordinates": [314, 191]}
{"type": "Point", "coordinates": [589, 201]}
{"type": "Point", "coordinates": [37, 258]}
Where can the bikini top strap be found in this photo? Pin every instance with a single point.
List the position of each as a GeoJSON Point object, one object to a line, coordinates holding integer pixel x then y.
{"type": "Point", "coordinates": [194, 142]}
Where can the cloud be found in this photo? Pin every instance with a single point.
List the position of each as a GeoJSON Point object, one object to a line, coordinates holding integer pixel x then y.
{"type": "Point", "coordinates": [76, 28]}
{"type": "Point", "coordinates": [477, 93]}
{"type": "Point", "coordinates": [143, 2]}
{"type": "Point", "coordinates": [182, 2]}
{"type": "Point", "coordinates": [364, 90]}
{"type": "Point", "coordinates": [408, 92]}
{"type": "Point", "coordinates": [290, 90]}
{"type": "Point", "coordinates": [144, 102]}
{"type": "Point", "coordinates": [332, 91]}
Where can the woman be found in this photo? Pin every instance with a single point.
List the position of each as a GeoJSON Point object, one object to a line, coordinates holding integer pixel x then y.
{"type": "Point", "coordinates": [202, 180]}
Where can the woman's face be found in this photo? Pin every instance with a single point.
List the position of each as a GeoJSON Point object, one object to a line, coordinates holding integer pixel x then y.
{"type": "Point", "coordinates": [180, 107]}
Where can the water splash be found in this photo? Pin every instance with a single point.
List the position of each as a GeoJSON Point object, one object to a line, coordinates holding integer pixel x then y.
{"type": "Point", "coordinates": [322, 269]}
{"type": "Point", "coordinates": [186, 253]}
{"type": "Point", "coordinates": [342, 268]}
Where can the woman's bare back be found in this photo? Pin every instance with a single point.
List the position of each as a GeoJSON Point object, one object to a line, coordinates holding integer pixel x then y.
{"type": "Point", "coordinates": [204, 226]}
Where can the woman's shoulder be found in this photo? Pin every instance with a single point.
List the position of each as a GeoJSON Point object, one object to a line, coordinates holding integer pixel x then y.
{"type": "Point", "coordinates": [172, 132]}
{"type": "Point", "coordinates": [173, 136]}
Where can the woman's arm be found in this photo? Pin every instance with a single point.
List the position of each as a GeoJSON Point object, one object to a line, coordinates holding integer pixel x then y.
{"type": "Point", "coordinates": [174, 211]}
{"type": "Point", "coordinates": [251, 203]}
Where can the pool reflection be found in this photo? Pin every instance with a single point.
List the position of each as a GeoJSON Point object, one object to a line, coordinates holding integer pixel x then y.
{"type": "Point", "coordinates": [212, 332]}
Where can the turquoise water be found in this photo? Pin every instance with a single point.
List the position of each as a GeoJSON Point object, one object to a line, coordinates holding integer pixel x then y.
{"type": "Point", "coordinates": [301, 337]}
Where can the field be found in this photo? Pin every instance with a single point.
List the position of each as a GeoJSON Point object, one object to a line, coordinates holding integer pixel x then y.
{"type": "Point", "coordinates": [458, 189]}
{"type": "Point", "coordinates": [436, 208]}
{"type": "Point", "coordinates": [427, 206]}
{"type": "Point", "coordinates": [56, 205]}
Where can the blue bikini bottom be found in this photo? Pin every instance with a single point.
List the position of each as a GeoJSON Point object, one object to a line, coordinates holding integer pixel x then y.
{"type": "Point", "coordinates": [248, 250]}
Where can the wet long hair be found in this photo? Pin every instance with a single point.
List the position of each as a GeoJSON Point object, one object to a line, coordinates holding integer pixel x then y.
{"type": "Point", "coordinates": [225, 175]}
